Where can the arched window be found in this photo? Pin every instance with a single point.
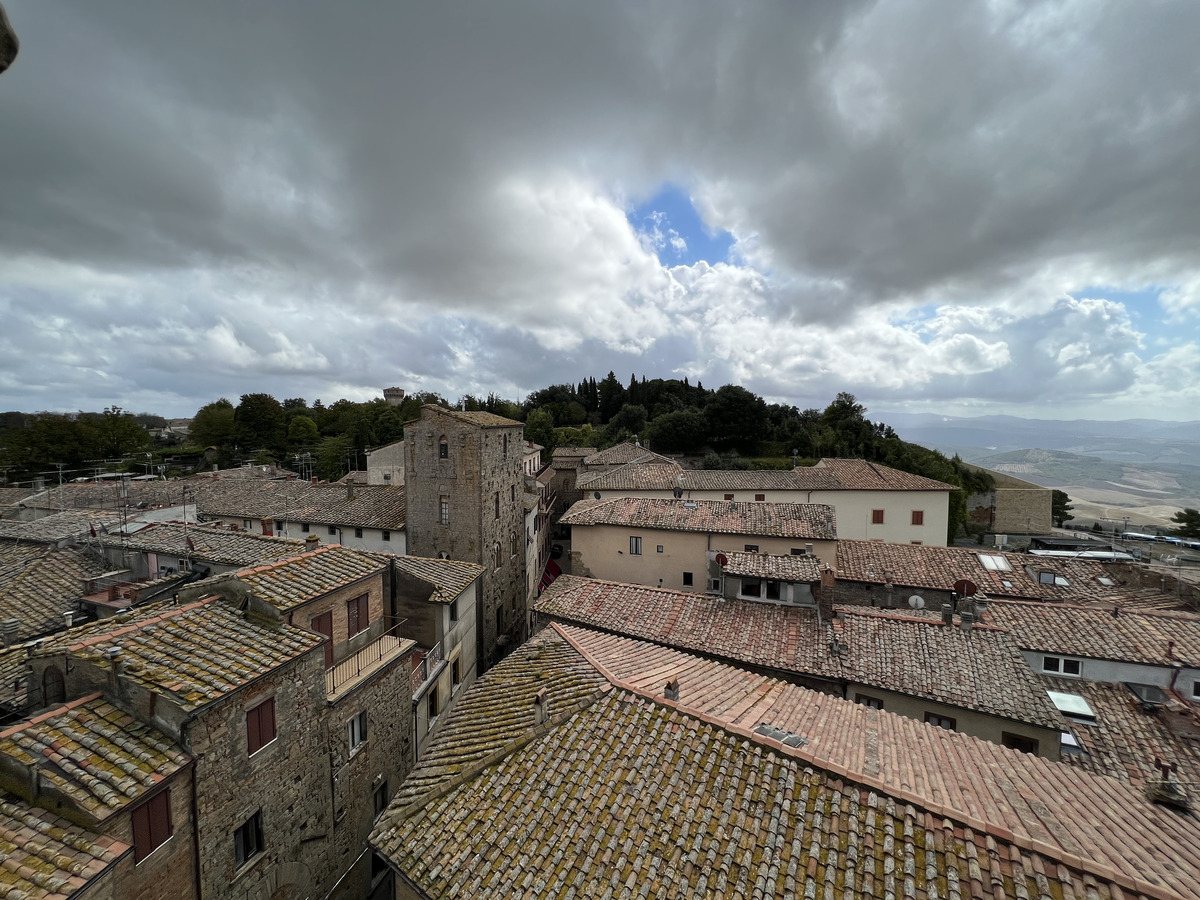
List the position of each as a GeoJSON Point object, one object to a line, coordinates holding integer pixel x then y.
{"type": "Point", "coordinates": [53, 687]}
{"type": "Point", "coordinates": [499, 556]}
{"type": "Point", "coordinates": [443, 448]}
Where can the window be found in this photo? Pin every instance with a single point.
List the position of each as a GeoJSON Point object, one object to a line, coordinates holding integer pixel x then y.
{"type": "Point", "coordinates": [687, 579]}
{"type": "Point", "coordinates": [358, 532]}
{"type": "Point", "coordinates": [432, 703]}
{"type": "Point", "coordinates": [751, 588]}
{"type": "Point", "coordinates": [379, 798]}
{"type": "Point", "coordinates": [772, 590]}
{"type": "Point", "coordinates": [752, 548]}
{"type": "Point", "coordinates": [760, 496]}
{"type": "Point", "coordinates": [506, 443]}
{"type": "Point", "coordinates": [443, 448]}
{"type": "Point", "coordinates": [877, 517]}
{"type": "Point", "coordinates": [444, 509]}
{"type": "Point", "coordinates": [498, 554]}
{"type": "Point", "coordinates": [1196, 690]}
{"type": "Point", "coordinates": [260, 726]}
{"type": "Point", "coordinates": [867, 700]}
{"type": "Point", "coordinates": [497, 499]}
{"type": "Point", "coordinates": [994, 562]}
{"type": "Point", "coordinates": [798, 551]}
{"type": "Point", "coordinates": [333, 529]}
{"type": "Point", "coordinates": [512, 493]}
{"type": "Point", "coordinates": [1061, 665]}
{"type": "Point", "coordinates": [358, 615]}
{"type": "Point", "coordinates": [151, 825]}
{"type": "Point", "coordinates": [54, 688]}
{"type": "Point", "coordinates": [1053, 578]}
{"type": "Point", "coordinates": [386, 535]}
{"type": "Point", "coordinates": [660, 548]}
{"type": "Point", "coordinates": [248, 840]}
{"type": "Point", "coordinates": [1070, 744]}
{"type": "Point", "coordinates": [357, 731]}
{"type": "Point", "coordinates": [304, 527]}
{"type": "Point", "coordinates": [1018, 742]}
{"type": "Point", "coordinates": [454, 610]}
{"type": "Point", "coordinates": [947, 722]}
{"type": "Point", "coordinates": [715, 584]}
{"type": "Point", "coordinates": [918, 517]}
{"type": "Point", "coordinates": [635, 546]}
{"type": "Point", "coordinates": [456, 671]}
{"type": "Point", "coordinates": [729, 496]}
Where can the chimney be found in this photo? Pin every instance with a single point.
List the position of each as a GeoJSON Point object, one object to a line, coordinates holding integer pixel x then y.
{"type": "Point", "coordinates": [310, 542]}
{"type": "Point", "coordinates": [671, 691]}
{"type": "Point", "coordinates": [539, 707]}
{"type": "Point", "coordinates": [825, 594]}
{"type": "Point", "coordinates": [967, 620]}
{"type": "Point", "coordinates": [947, 614]}
{"type": "Point", "coordinates": [290, 476]}
{"type": "Point", "coordinates": [69, 618]}
{"type": "Point", "coordinates": [314, 479]}
{"type": "Point", "coordinates": [10, 628]}
{"type": "Point", "coordinates": [116, 668]}
{"type": "Point", "coordinates": [350, 490]}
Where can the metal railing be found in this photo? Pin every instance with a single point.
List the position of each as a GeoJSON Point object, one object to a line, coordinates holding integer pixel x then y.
{"type": "Point", "coordinates": [365, 659]}
{"type": "Point", "coordinates": [424, 670]}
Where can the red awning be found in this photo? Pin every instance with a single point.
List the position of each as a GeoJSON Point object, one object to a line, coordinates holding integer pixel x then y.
{"type": "Point", "coordinates": [548, 576]}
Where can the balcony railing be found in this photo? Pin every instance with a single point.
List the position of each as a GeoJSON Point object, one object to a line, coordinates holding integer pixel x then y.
{"type": "Point", "coordinates": [424, 669]}
{"type": "Point", "coordinates": [366, 659]}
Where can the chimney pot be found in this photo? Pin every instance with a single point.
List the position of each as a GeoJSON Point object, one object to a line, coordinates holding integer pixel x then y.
{"type": "Point", "coordinates": [671, 692]}
{"type": "Point", "coordinates": [539, 707]}
{"type": "Point", "coordinates": [69, 618]}
{"type": "Point", "coordinates": [10, 628]}
{"type": "Point", "coordinates": [967, 620]}
{"type": "Point", "coordinates": [314, 479]}
{"type": "Point", "coordinates": [947, 614]}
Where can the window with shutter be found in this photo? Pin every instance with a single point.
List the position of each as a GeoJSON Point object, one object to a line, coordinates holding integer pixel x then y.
{"type": "Point", "coordinates": [151, 825]}
{"type": "Point", "coordinates": [260, 726]}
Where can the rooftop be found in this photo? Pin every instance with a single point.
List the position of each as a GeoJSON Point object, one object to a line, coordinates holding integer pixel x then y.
{"type": "Point", "coordinates": [448, 577]}
{"type": "Point", "coordinates": [626, 452]}
{"type": "Point", "coordinates": [294, 581]}
{"type": "Point", "coordinates": [996, 574]}
{"type": "Point", "coordinates": [980, 669]}
{"type": "Point", "coordinates": [370, 506]}
{"type": "Point", "coordinates": [59, 526]}
{"type": "Point", "coordinates": [810, 521]}
{"type": "Point", "coordinates": [766, 565]}
{"type": "Point", "coordinates": [194, 654]}
{"type": "Point", "coordinates": [637, 476]}
{"type": "Point", "coordinates": [38, 583]}
{"type": "Point", "coordinates": [219, 545]}
{"type": "Point", "coordinates": [860, 475]}
{"type": "Point", "coordinates": [96, 755]}
{"type": "Point", "coordinates": [481, 418]}
{"type": "Point", "coordinates": [1159, 638]}
{"type": "Point", "coordinates": [621, 789]}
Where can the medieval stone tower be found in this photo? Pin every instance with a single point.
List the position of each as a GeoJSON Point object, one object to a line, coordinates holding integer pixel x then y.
{"type": "Point", "coordinates": [466, 501]}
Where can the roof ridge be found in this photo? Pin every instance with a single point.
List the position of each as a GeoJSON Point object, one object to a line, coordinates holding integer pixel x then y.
{"type": "Point", "coordinates": [50, 714]}
{"type": "Point", "coordinates": [1078, 859]}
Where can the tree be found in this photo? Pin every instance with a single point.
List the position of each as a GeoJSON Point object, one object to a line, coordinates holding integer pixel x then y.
{"type": "Point", "coordinates": [1060, 508]}
{"type": "Point", "coordinates": [118, 433]}
{"type": "Point", "coordinates": [682, 431]}
{"type": "Point", "coordinates": [1188, 521]}
{"type": "Point", "coordinates": [611, 397]}
{"type": "Point", "coordinates": [302, 432]}
{"type": "Point", "coordinates": [539, 428]}
{"type": "Point", "coordinates": [259, 423]}
{"type": "Point", "coordinates": [212, 426]}
{"type": "Point", "coordinates": [630, 422]}
{"type": "Point", "coordinates": [737, 419]}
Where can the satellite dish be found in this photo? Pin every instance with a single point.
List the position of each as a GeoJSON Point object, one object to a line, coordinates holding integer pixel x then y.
{"type": "Point", "coordinates": [596, 494]}
{"type": "Point", "coordinates": [678, 492]}
{"type": "Point", "coordinates": [965, 588]}
{"type": "Point", "coordinates": [722, 560]}
{"type": "Point", "coordinates": [916, 601]}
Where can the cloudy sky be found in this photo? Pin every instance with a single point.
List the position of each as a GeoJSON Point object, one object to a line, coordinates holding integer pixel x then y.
{"type": "Point", "coordinates": [957, 207]}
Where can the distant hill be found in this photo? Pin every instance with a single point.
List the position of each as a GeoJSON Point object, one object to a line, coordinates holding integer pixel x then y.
{"type": "Point", "coordinates": [1141, 468]}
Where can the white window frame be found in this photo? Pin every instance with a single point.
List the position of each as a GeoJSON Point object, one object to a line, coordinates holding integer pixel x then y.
{"type": "Point", "coordinates": [1057, 665]}
{"type": "Point", "coordinates": [635, 545]}
{"type": "Point", "coordinates": [356, 732]}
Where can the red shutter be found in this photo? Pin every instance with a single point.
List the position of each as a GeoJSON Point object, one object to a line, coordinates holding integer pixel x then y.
{"type": "Point", "coordinates": [141, 833]}
{"type": "Point", "coordinates": [267, 724]}
{"type": "Point", "coordinates": [253, 735]}
{"type": "Point", "coordinates": [352, 618]}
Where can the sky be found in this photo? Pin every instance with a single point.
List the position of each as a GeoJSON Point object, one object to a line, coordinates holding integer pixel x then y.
{"type": "Point", "coordinates": [964, 208]}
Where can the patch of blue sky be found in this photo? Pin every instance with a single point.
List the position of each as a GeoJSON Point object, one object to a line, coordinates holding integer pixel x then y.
{"type": "Point", "coordinates": [678, 234]}
{"type": "Point", "coordinates": [1143, 306]}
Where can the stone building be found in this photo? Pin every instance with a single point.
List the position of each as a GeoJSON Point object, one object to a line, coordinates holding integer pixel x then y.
{"type": "Point", "coordinates": [1012, 506]}
{"type": "Point", "coordinates": [465, 486]}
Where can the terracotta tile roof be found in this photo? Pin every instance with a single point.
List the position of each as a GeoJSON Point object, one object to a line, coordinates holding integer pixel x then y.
{"type": "Point", "coordinates": [766, 565]}
{"type": "Point", "coordinates": [623, 793]}
{"type": "Point", "coordinates": [294, 581]}
{"type": "Point", "coordinates": [1124, 741]}
{"type": "Point", "coordinates": [980, 670]}
{"type": "Point", "coordinates": [499, 715]}
{"type": "Point", "coordinates": [625, 452]}
{"type": "Point", "coordinates": [60, 525]}
{"type": "Point", "coordinates": [1092, 631]}
{"type": "Point", "coordinates": [481, 418]}
{"type": "Point", "coordinates": [11, 497]}
{"type": "Point", "coordinates": [196, 653]}
{"type": "Point", "coordinates": [93, 753]}
{"type": "Point", "coordinates": [573, 451]}
{"type": "Point", "coordinates": [372, 506]}
{"type": "Point", "coordinates": [937, 568]}
{"type": "Point", "coordinates": [811, 521]}
{"type": "Point", "coordinates": [860, 475]}
{"type": "Point", "coordinates": [219, 545]}
{"type": "Point", "coordinates": [13, 684]}
{"type": "Point", "coordinates": [45, 857]}
{"type": "Point", "coordinates": [448, 577]}
{"type": "Point", "coordinates": [38, 583]}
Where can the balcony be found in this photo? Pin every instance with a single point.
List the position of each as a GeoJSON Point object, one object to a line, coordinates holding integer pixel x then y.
{"type": "Point", "coordinates": [425, 665]}
{"type": "Point", "coordinates": [386, 648]}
